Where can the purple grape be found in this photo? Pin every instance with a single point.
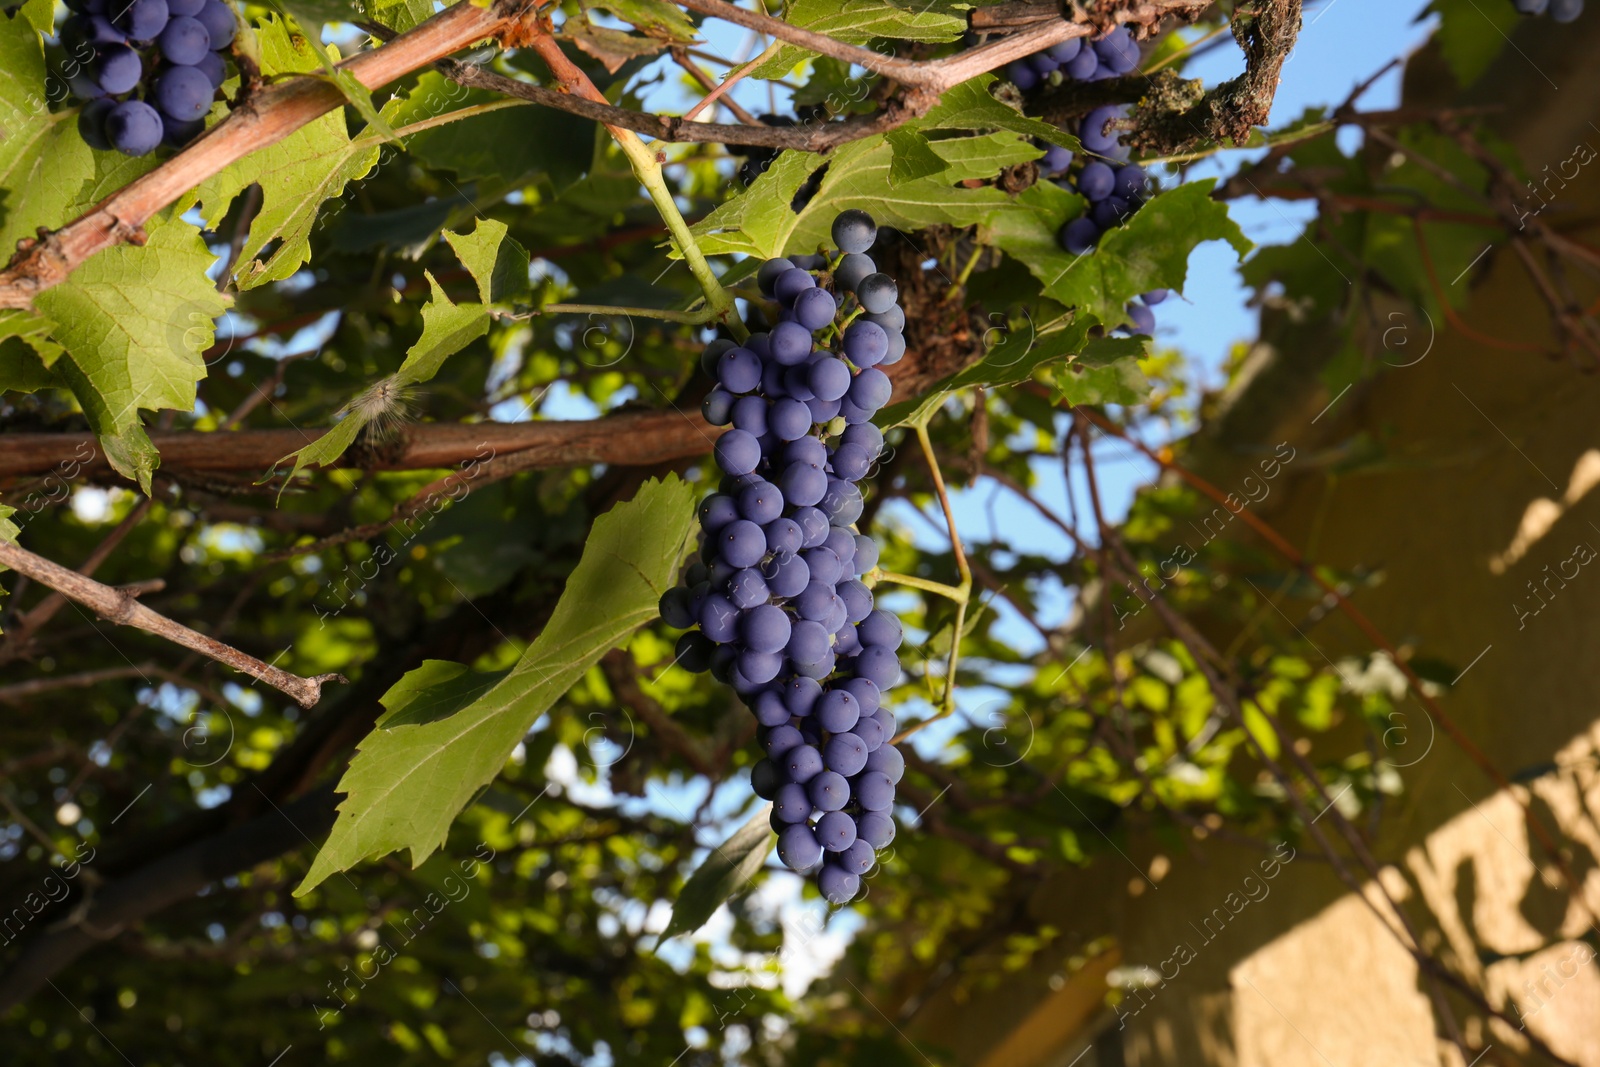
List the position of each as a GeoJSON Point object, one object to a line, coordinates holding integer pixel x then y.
{"type": "Point", "coordinates": [765, 628]}
{"type": "Point", "coordinates": [1117, 52]}
{"type": "Point", "coordinates": [1042, 64]}
{"type": "Point", "coordinates": [874, 791]}
{"type": "Point", "coordinates": [764, 781]}
{"type": "Point", "coordinates": [117, 69]}
{"type": "Point", "coordinates": [182, 92]}
{"type": "Point", "coordinates": [1155, 296]}
{"type": "Point", "coordinates": [851, 462]}
{"type": "Point", "coordinates": [676, 610]}
{"type": "Point", "coordinates": [817, 602]}
{"type": "Point", "coordinates": [878, 665]}
{"type": "Point", "coordinates": [1066, 51]}
{"type": "Point", "coordinates": [760, 502]}
{"type": "Point", "coordinates": [133, 128]}
{"type": "Point", "coordinates": [783, 536]}
{"type": "Point", "coordinates": [790, 284]}
{"type": "Point", "coordinates": [1021, 75]}
{"type": "Point", "coordinates": [846, 753]}
{"type": "Point", "coordinates": [791, 804]}
{"type": "Point", "coordinates": [878, 293]}
{"type": "Point", "coordinates": [1082, 66]}
{"type": "Point", "coordinates": [871, 388]}
{"type": "Point", "coordinates": [828, 791]}
{"type": "Point", "coordinates": [742, 544]}
{"type": "Point", "coordinates": [716, 511]}
{"type": "Point", "coordinates": [851, 269]}
{"type": "Point", "coordinates": [887, 761]}
{"type": "Point", "coordinates": [1131, 182]}
{"type": "Point", "coordinates": [842, 503]}
{"type": "Point", "coordinates": [717, 407]}
{"type": "Point", "coordinates": [875, 828]}
{"type": "Point", "coordinates": [798, 847]}
{"type": "Point", "coordinates": [747, 589]}
{"type": "Point", "coordinates": [897, 348]}
{"type": "Point", "coordinates": [92, 123]}
{"type": "Point", "coordinates": [750, 415]}
{"type": "Point", "coordinates": [219, 21]}
{"type": "Point", "coordinates": [802, 762]}
{"type": "Point", "coordinates": [808, 643]}
{"type": "Point", "coordinates": [1141, 320]}
{"type": "Point", "coordinates": [814, 309]}
{"type": "Point", "coordinates": [1566, 10]}
{"type": "Point", "coordinates": [882, 630]}
{"type": "Point", "coordinates": [837, 885]}
{"type": "Point", "coordinates": [858, 858]}
{"type": "Point", "coordinates": [1056, 159]}
{"type": "Point", "coordinates": [1080, 236]}
{"type": "Point", "coordinates": [829, 378]}
{"type": "Point", "coordinates": [825, 567]}
{"type": "Point", "coordinates": [836, 831]}
{"type": "Point", "coordinates": [857, 601]}
{"type": "Point", "coordinates": [864, 344]}
{"type": "Point", "coordinates": [184, 41]}
{"type": "Point", "coordinates": [177, 134]}
{"type": "Point", "coordinates": [813, 525]}
{"type": "Point", "coordinates": [1094, 135]}
{"type": "Point", "coordinates": [769, 271]}
{"type": "Point", "coordinates": [867, 695]}
{"type": "Point", "coordinates": [869, 438]}
{"type": "Point", "coordinates": [770, 710]}
{"type": "Point", "coordinates": [892, 320]}
{"type": "Point", "coordinates": [800, 695]}
{"type": "Point", "coordinates": [789, 576]}
{"type": "Point", "coordinates": [739, 370]}
{"type": "Point", "coordinates": [1096, 180]}
{"type": "Point", "coordinates": [213, 68]}
{"type": "Point", "coordinates": [719, 618]}
{"type": "Point", "coordinates": [141, 20]}
{"type": "Point", "coordinates": [791, 341]}
{"type": "Point", "coordinates": [803, 484]}
{"type": "Point", "coordinates": [870, 731]}
{"type": "Point", "coordinates": [779, 742]}
{"type": "Point", "coordinates": [738, 452]}
{"type": "Point", "coordinates": [837, 711]}
{"type": "Point", "coordinates": [823, 410]}
{"type": "Point", "coordinates": [866, 554]}
{"type": "Point", "coordinates": [693, 652]}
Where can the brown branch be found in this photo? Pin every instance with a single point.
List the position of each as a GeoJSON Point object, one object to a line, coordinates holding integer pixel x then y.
{"type": "Point", "coordinates": [714, 91]}
{"type": "Point", "coordinates": [117, 606]}
{"type": "Point", "coordinates": [266, 117]}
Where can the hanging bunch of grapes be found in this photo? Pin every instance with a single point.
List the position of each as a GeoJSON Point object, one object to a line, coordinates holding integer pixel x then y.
{"type": "Point", "coordinates": [1114, 187]}
{"type": "Point", "coordinates": [774, 605]}
{"type": "Point", "coordinates": [148, 69]}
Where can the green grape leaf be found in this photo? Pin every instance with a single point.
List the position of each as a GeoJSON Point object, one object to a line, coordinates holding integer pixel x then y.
{"type": "Point", "coordinates": [22, 369]}
{"type": "Point", "coordinates": [501, 146]}
{"type": "Point", "coordinates": [134, 321]}
{"type": "Point", "coordinates": [1107, 373]}
{"type": "Point", "coordinates": [971, 106]}
{"type": "Point", "coordinates": [449, 731]}
{"type": "Point", "coordinates": [447, 328]}
{"type": "Point", "coordinates": [297, 175]}
{"type": "Point", "coordinates": [859, 21]}
{"type": "Point", "coordinates": [1150, 251]}
{"type": "Point", "coordinates": [1014, 353]}
{"type": "Point", "coordinates": [43, 161]}
{"type": "Point", "coordinates": [654, 17]}
{"type": "Point", "coordinates": [613, 48]}
{"type": "Point", "coordinates": [726, 871]}
{"type": "Point", "coordinates": [359, 97]}
{"type": "Point", "coordinates": [496, 262]}
{"type": "Point", "coordinates": [8, 529]}
{"type": "Point", "coordinates": [912, 157]}
{"type": "Point", "coordinates": [400, 15]}
{"type": "Point", "coordinates": [763, 223]}
{"type": "Point", "coordinates": [41, 14]}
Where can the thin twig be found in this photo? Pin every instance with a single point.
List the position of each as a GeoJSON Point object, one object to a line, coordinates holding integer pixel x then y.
{"type": "Point", "coordinates": [119, 607]}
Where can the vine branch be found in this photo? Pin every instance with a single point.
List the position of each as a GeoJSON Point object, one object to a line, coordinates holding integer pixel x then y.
{"type": "Point", "coordinates": [119, 606]}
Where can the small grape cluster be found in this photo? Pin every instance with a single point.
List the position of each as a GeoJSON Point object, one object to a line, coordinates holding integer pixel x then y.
{"type": "Point", "coordinates": [174, 47]}
{"type": "Point", "coordinates": [782, 614]}
{"type": "Point", "coordinates": [1114, 187]}
{"type": "Point", "coordinates": [1560, 10]}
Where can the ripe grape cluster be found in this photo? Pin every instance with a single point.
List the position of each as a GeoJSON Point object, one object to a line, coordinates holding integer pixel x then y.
{"type": "Point", "coordinates": [1560, 10]}
{"type": "Point", "coordinates": [774, 606]}
{"type": "Point", "coordinates": [173, 48]}
{"type": "Point", "coordinates": [1114, 187]}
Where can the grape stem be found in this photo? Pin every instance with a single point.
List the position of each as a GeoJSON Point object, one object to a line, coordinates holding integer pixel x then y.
{"type": "Point", "coordinates": [949, 592]}
{"type": "Point", "coordinates": [693, 318]}
{"type": "Point", "coordinates": [647, 168]}
{"type": "Point", "coordinates": [948, 703]}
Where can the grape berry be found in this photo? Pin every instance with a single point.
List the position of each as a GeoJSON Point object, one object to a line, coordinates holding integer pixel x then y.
{"type": "Point", "coordinates": [174, 46]}
{"type": "Point", "coordinates": [1114, 187]}
{"type": "Point", "coordinates": [774, 605]}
